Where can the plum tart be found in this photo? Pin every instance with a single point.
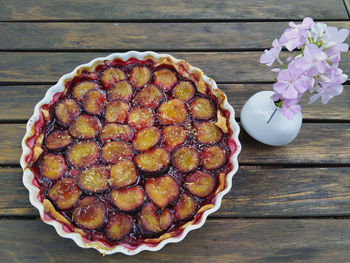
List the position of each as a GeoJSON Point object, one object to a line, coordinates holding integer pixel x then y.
{"type": "Point", "coordinates": [130, 151]}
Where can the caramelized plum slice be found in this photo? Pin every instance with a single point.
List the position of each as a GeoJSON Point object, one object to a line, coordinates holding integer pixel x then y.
{"type": "Point", "coordinates": [118, 226]}
{"type": "Point", "coordinates": [173, 136]}
{"type": "Point", "coordinates": [52, 166]}
{"type": "Point", "coordinates": [94, 179]}
{"type": "Point", "coordinates": [140, 76]}
{"type": "Point", "coordinates": [164, 78]}
{"type": "Point", "coordinates": [85, 127]}
{"type": "Point", "coordinates": [128, 199]}
{"type": "Point", "coordinates": [162, 190]}
{"type": "Point", "coordinates": [65, 193]}
{"type": "Point", "coordinates": [172, 111]}
{"type": "Point", "coordinates": [186, 159]}
{"type": "Point", "coordinates": [202, 109]}
{"type": "Point", "coordinates": [117, 111]}
{"type": "Point", "coordinates": [199, 183]}
{"type": "Point", "coordinates": [146, 138]}
{"type": "Point", "coordinates": [57, 140]}
{"type": "Point", "coordinates": [213, 157]}
{"type": "Point", "coordinates": [141, 117]}
{"type": "Point", "coordinates": [114, 151]}
{"type": "Point", "coordinates": [184, 90]}
{"type": "Point", "coordinates": [94, 101]}
{"type": "Point", "coordinates": [90, 213]}
{"type": "Point", "coordinates": [122, 174]}
{"type": "Point", "coordinates": [83, 153]}
{"type": "Point", "coordinates": [112, 75]}
{"type": "Point", "coordinates": [150, 96]}
{"type": "Point", "coordinates": [186, 207]}
{"type": "Point", "coordinates": [114, 131]}
{"type": "Point", "coordinates": [153, 222]}
{"type": "Point", "coordinates": [208, 133]}
{"type": "Point", "coordinates": [80, 89]}
{"type": "Point", "coordinates": [66, 111]}
{"type": "Point", "coordinates": [122, 90]}
{"type": "Point", "coordinates": [153, 160]}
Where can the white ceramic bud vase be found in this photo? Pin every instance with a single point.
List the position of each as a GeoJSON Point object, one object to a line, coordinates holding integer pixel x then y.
{"type": "Point", "coordinates": [263, 120]}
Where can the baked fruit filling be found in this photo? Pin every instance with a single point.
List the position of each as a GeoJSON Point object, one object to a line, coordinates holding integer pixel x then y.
{"type": "Point", "coordinates": [132, 152]}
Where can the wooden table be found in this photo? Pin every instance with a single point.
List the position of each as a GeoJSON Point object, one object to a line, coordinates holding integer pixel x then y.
{"type": "Point", "coordinates": [287, 204]}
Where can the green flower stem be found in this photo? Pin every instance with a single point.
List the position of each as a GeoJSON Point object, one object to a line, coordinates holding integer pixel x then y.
{"type": "Point", "coordinates": [280, 61]}
{"type": "Point", "coordinates": [279, 103]}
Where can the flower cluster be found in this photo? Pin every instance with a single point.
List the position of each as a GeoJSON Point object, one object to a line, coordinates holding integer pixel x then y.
{"type": "Point", "coordinates": [313, 66]}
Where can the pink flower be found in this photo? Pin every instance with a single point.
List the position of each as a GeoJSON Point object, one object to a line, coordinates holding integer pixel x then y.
{"type": "Point", "coordinates": [289, 59]}
{"type": "Point", "coordinates": [290, 108]}
{"type": "Point", "coordinates": [330, 86]}
{"type": "Point", "coordinates": [271, 55]}
{"type": "Point", "coordinates": [318, 30]}
{"type": "Point", "coordinates": [276, 97]}
{"type": "Point", "coordinates": [313, 61]}
{"type": "Point", "coordinates": [333, 56]}
{"type": "Point", "coordinates": [334, 38]}
{"type": "Point", "coordinates": [295, 36]}
{"type": "Point", "coordinates": [314, 67]}
{"type": "Point", "coordinates": [290, 83]}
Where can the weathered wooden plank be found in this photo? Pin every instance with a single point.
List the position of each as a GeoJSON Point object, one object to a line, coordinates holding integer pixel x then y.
{"type": "Point", "coordinates": [338, 108]}
{"type": "Point", "coordinates": [217, 241]}
{"type": "Point", "coordinates": [13, 195]}
{"type": "Point", "coordinates": [17, 102]}
{"type": "Point", "coordinates": [10, 147]}
{"type": "Point", "coordinates": [134, 10]}
{"type": "Point", "coordinates": [347, 6]}
{"type": "Point", "coordinates": [327, 143]}
{"type": "Point", "coordinates": [316, 143]}
{"type": "Point", "coordinates": [288, 192]}
{"type": "Point", "coordinates": [222, 66]}
{"type": "Point", "coordinates": [149, 36]}
{"type": "Point", "coordinates": [255, 193]}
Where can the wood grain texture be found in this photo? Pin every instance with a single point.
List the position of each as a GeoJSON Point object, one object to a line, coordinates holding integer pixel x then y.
{"type": "Point", "coordinates": [173, 9]}
{"type": "Point", "coordinates": [255, 193]}
{"type": "Point", "coordinates": [17, 102]}
{"type": "Point", "coordinates": [225, 39]}
{"type": "Point", "coordinates": [14, 197]}
{"type": "Point", "coordinates": [288, 193]}
{"type": "Point", "coordinates": [327, 143]}
{"type": "Point", "coordinates": [224, 240]}
{"type": "Point", "coordinates": [347, 6]}
{"type": "Point", "coordinates": [146, 36]}
{"type": "Point", "coordinates": [337, 108]}
{"type": "Point", "coordinates": [221, 66]}
{"type": "Point", "coordinates": [11, 137]}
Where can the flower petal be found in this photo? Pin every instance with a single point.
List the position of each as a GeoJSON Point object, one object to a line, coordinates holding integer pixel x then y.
{"type": "Point", "coordinates": [313, 98]}
{"type": "Point", "coordinates": [342, 35]}
{"type": "Point", "coordinates": [343, 47]}
{"type": "Point", "coordinates": [307, 23]}
{"type": "Point", "coordinates": [280, 87]}
{"type": "Point", "coordinates": [290, 92]}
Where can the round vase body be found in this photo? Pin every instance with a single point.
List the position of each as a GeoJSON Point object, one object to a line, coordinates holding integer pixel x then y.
{"type": "Point", "coordinates": [263, 120]}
